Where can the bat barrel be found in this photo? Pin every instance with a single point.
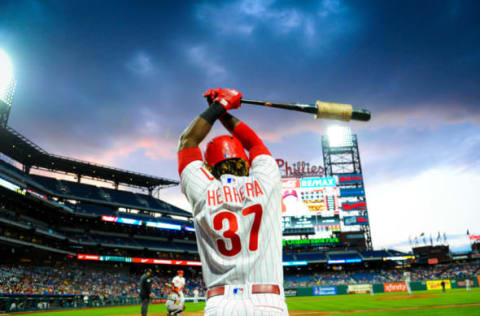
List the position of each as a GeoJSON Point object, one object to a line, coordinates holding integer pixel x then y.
{"type": "Point", "coordinates": [325, 110]}
{"type": "Point", "coordinates": [361, 115]}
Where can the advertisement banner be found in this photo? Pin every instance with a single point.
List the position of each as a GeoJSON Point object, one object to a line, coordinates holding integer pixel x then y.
{"type": "Point", "coordinates": [354, 206]}
{"type": "Point", "coordinates": [355, 220]}
{"type": "Point", "coordinates": [290, 292]}
{"type": "Point", "coordinates": [317, 182]}
{"type": "Point", "coordinates": [463, 283]}
{"type": "Point", "coordinates": [437, 285]}
{"type": "Point", "coordinates": [359, 288]}
{"type": "Point", "coordinates": [324, 290]}
{"type": "Point", "coordinates": [395, 287]}
{"type": "Point", "coordinates": [474, 237]}
{"type": "Point", "coordinates": [433, 261]}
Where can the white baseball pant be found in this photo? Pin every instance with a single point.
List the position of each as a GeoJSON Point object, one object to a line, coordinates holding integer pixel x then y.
{"type": "Point", "coordinates": [239, 301]}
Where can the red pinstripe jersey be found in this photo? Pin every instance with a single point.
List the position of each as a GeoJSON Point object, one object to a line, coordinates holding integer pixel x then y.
{"type": "Point", "coordinates": [237, 223]}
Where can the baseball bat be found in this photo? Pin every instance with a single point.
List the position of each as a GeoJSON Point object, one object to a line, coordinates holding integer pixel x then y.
{"type": "Point", "coordinates": [326, 110]}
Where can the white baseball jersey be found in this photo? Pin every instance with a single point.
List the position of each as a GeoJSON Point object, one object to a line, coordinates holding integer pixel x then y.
{"type": "Point", "coordinates": [237, 223]}
{"type": "Point", "coordinates": [179, 282]}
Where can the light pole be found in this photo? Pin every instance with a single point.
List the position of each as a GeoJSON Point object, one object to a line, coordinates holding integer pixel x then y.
{"type": "Point", "coordinates": [7, 87]}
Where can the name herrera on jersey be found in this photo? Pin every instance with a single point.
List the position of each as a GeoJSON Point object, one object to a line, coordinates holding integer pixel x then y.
{"type": "Point", "coordinates": [230, 194]}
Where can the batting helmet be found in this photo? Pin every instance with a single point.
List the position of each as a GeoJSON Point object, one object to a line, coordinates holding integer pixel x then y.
{"type": "Point", "coordinates": [224, 147]}
{"type": "Point", "coordinates": [180, 272]}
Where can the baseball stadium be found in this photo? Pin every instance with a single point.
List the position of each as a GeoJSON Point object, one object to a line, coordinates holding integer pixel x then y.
{"type": "Point", "coordinates": [81, 234]}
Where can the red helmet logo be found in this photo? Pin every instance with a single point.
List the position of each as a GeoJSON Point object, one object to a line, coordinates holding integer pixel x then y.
{"type": "Point", "coordinates": [224, 147]}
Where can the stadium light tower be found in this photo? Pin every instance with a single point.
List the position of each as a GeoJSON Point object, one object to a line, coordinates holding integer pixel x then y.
{"type": "Point", "coordinates": [339, 136]}
{"type": "Point", "coordinates": [7, 87]}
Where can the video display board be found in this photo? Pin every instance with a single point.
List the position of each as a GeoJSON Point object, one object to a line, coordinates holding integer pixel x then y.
{"type": "Point", "coordinates": [310, 196]}
{"type": "Point", "coordinates": [311, 202]}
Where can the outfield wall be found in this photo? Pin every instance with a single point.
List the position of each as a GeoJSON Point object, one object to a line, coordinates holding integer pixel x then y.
{"type": "Point", "coordinates": [343, 289]}
{"type": "Point", "coordinates": [38, 302]}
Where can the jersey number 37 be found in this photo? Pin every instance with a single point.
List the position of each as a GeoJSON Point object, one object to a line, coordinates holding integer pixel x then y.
{"type": "Point", "coordinates": [230, 233]}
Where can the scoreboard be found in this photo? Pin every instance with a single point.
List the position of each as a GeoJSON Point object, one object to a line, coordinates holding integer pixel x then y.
{"type": "Point", "coordinates": [310, 196]}
{"type": "Point", "coordinates": [321, 206]}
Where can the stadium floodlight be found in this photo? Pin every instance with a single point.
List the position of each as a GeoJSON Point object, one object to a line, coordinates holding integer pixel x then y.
{"type": "Point", "coordinates": [7, 87]}
{"type": "Point", "coordinates": [339, 136]}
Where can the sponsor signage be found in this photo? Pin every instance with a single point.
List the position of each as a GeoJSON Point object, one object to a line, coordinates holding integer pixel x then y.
{"type": "Point", "coordinates": [164, 225]}
{"type": "Point", "coordinates": [355, 220]}
{"type": "Point", "coordinates": [395, 287]}
{"type": "Point", "coordinates": [299, 169]}
{"type": "Point", "coordinates": [290, 183]}
{"type": "Point", "coordinates": [189, 229]}
{"type": "Point", "coordinates": [129, 221]}
{"type": "Point", "coordinates": [294, 263]}
{"type": "Point", "coordinates": [354, 236]}
{"type": "Point", "coordinates": [399, 258]}
{"type": "Point", "coordinates": [316, 241]}
{"type": "Point", "coordinates": [317, 182]}
{"type": "Point", "coordinates": [290, 292]}
{"type": "Point", "coordinates": [355, 206]}
{"type": "Point", "coordinates": [13, 187]}
{"type": "Point", "coordinates": [338, 261]}
{"type": "Point", "coordinates": [88, 257]}
{"type": "Point", "coordinates": [463, 283]}
{"type": "Point", "coordinates": [437, 285]}
{"type": "Point", "coordinates": [460, 257]}
{"type": "Point", "coordinates": [37, 195]}
{"type": "Point", "coordinates": [359, 288]}
{"type": "Point", "coordinates": [352, 178]}
{"type": "Point", "coordinates": [324, 290]}
{"type": "Point", "coordinates": [474, 237]}
{"type": "Point", "coordinates": [433, 261]}
{"type": "Point", "coordinates": [138, 260]}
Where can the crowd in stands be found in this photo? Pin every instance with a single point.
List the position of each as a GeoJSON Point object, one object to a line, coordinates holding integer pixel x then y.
{"type": "Point", "coordinates": [66, 280]}
{"type": "Point", "coordinates": [78, 280]}
{"type": "Point", "coordinates": [436, 272]}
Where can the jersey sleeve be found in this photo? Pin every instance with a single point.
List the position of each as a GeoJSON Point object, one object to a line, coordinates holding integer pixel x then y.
{"type": "Point", "coordinates": [194, 177]}
{"type": "Point", "coordinates": [250, 141]}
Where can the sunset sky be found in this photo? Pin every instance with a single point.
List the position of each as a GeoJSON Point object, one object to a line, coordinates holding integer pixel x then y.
{"type": "Point", "coordinates": [116, 82]}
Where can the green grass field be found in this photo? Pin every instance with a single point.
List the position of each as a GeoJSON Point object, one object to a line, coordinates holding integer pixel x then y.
{"type": "Point", "coordinates": [453, 302]}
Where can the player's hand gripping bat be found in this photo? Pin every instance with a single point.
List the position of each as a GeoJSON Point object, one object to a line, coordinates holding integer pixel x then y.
{"type": "Point", "coordinates": [326, 110]}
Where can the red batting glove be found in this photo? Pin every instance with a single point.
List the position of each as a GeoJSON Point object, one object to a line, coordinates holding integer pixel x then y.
{"type": "Point", "coordinates": [228, 98]}
{"type": "Point", "coordinates": [210, 94]}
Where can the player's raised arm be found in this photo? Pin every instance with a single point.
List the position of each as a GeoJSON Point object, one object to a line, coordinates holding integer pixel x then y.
{"type": "Point", "coordinates": [246, 135]}
{"type": "Point", "coordinates": [195, 133]}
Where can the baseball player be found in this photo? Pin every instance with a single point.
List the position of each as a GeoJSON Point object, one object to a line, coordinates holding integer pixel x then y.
{"type": "Point", "coordinates": [179, 282]}
{"type": "Point", "coordinates": [173, 303]}
{"type": "Point", "coordinates": [236, 202]}
{"type": "Point", "coordinates": [408, 279]}
{"type": "Point", "coordinates": [195, 295]}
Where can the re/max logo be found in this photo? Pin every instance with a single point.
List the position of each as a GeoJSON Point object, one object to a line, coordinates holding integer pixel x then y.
{"type": "Point", "coordinates": [317, 182]}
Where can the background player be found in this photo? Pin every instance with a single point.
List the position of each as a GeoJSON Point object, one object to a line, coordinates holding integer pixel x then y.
{"type": "Point", "coordinates": [173, 304]}
{"type": "Point", "coordinates": [236, 204]}
{"type": "Point", "coordinates": [179, 282]}
{"type": "Point", "coordinates": [408, 279]}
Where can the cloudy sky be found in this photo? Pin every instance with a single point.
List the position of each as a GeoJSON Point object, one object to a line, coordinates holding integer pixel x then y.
{"type": "Point", "coordinates": [116, 82]}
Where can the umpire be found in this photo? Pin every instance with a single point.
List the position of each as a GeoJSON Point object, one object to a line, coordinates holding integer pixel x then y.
{"type": "Point", "coordinates": [145, 290]}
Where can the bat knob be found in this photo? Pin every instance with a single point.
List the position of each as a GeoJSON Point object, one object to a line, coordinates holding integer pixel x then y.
{"type": "Point", "coordinates": [361, 115]}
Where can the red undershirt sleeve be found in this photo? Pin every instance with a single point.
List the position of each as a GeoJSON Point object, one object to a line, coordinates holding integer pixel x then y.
{"type": "Point", "coordinates": [250, 141]}
{"type": "Point", "coordinates": [186, 156]}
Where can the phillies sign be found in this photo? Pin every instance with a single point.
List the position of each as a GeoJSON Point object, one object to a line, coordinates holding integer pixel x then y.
{"type": "Point", "coordinates": [299, 169]}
